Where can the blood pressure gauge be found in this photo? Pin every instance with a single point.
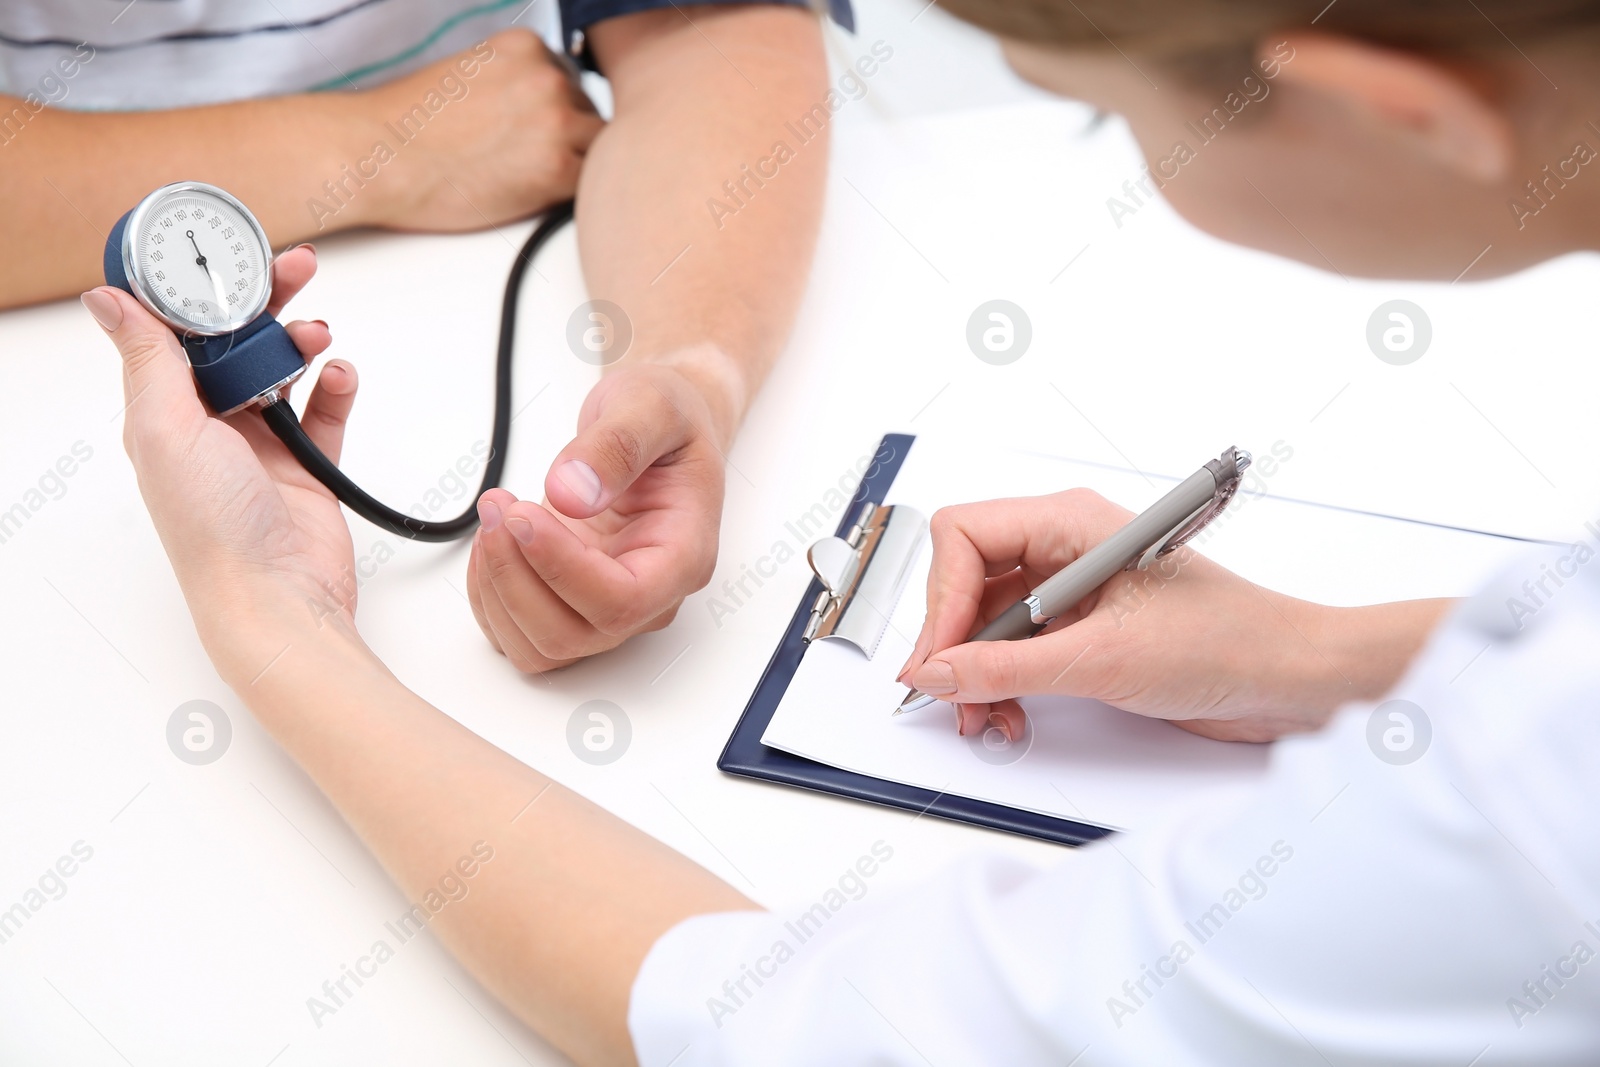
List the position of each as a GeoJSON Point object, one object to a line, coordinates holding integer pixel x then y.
{"type": "Point", "coordinates": [200, 262]}
{"type": "Point", "coordinates": [197, 258]}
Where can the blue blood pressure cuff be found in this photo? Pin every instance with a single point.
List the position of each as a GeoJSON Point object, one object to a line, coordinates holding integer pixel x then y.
{"type": "Point", "coordinates": [578, 15]}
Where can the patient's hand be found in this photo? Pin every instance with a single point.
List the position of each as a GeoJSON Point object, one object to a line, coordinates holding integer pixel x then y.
{"type": "Point", "coordinates": [503, 143]}
{"type": "Point", "coordinates": [629, 530]}
{"type": "Point", "coordinates": [1187, 640]}
{"type": "Point", "coordinates": [259, 545]}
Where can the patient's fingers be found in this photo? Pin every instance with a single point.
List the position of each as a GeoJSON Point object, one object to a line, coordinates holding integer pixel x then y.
{"type": "Point", "coordinates": [512, 643]}
{"type": "Point", "coordinates": [609, 596]}
{"type": "Point", "coordinates": [475, 594]}
{"type": "Point", "coordinates": [487, 608]}
{"type": "Point", "coordinates": [524, 611]}
{"type": "Point", "coordinates": [496, 623]}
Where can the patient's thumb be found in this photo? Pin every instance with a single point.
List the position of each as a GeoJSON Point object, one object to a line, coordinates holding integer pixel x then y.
{"type": "Point", "coordinates": [633, 430]}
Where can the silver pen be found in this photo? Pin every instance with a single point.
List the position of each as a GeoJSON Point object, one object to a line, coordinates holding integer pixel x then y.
{"type": "Point", "coordinates": [1168, 523]}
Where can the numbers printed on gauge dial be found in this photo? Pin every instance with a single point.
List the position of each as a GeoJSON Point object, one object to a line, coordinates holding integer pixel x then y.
{"type": "Point", "coordinates": [201, 260]}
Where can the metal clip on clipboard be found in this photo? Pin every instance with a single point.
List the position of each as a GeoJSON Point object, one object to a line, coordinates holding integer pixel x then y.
{"type": "Point", "coordinates": [863, 573]}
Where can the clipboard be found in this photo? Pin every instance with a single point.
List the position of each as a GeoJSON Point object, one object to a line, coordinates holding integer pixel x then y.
{"type": "Point", "coordinates": [823, 611]}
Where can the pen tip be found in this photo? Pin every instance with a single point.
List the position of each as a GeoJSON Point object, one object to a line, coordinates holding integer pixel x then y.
{"type": "Point", "coordinates": [914, 701]}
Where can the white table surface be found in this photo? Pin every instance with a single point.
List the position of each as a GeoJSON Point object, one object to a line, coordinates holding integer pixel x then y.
{"type": "Point", "coordinates": [220, 897]}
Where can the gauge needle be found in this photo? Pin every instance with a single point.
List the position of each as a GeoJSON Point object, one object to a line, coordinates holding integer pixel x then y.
{"type": "Point", "coordinates": [201, 262]}
{"type": "Point", "coordinates": [216, 288]}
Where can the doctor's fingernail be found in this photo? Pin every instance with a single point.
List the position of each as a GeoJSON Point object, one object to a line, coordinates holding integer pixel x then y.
{"type": "Point", "coordinates": [935, 677]}
{"type": "Point", "coordinates": [309, 247]}
{"type": "Point", "coordinates": [999, 722]}
{"type": "Point", "coordinates": [918, 652]}
{"type": "Point", "coordinates": [578, 476]}
{"type": "Point", "coordinates": [520, 528]}
{"type": "Point", "coordinates": [489, 515]}
{"type": "Point", "coordinates": [106, 311]}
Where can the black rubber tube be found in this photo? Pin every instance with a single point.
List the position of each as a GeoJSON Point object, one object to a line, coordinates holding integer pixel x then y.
{"type": "Point", "coordinates": [283, 422]}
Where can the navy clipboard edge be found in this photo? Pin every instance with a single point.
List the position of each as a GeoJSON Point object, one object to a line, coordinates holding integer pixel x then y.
{"type": "Point", "coordinates": [747, 757]}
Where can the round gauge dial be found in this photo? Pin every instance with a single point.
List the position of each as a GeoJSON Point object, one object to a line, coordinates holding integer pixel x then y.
{"type": "Point", "coordinates": [198, 258]}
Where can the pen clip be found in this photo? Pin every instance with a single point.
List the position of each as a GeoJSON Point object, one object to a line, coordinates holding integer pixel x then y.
{"type": "Point", "coordinates": [1228, 470]}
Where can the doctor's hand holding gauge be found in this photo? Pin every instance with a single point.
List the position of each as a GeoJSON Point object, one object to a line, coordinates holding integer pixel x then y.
{"type": "Point", "coordinates": [197, 260]}
{"type": "Point", "coordinates": [242, 357]}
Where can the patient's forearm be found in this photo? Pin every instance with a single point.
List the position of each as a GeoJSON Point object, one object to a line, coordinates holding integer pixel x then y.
{"type": "Point", "coordinates": [66, 176]}
{"type": "Point", "coordinates": [557, 922]}
{"type": "Point", "coordinates": [702, 97]}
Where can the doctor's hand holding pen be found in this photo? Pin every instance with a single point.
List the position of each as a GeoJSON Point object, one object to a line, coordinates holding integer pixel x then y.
{"type": "Point", "coordinates": [1185, 640]}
